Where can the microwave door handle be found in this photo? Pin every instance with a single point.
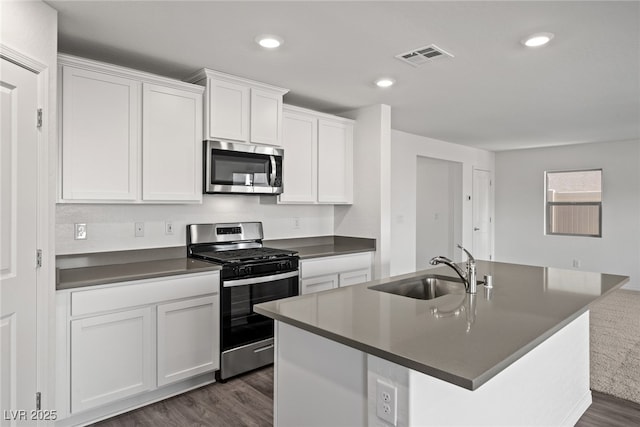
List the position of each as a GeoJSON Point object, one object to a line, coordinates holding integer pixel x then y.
{"type": "Point", "coordinates": [272, 177]}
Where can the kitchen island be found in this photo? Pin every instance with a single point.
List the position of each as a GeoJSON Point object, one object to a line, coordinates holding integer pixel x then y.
{"type": "Point", "coordinates": [516, 354]}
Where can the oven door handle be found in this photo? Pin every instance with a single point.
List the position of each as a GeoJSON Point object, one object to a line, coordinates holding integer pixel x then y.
{"type": "Point", "coordinates": [255, 280]}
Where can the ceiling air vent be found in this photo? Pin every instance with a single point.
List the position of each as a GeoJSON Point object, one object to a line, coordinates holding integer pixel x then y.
{"type": "Point", "coordinates": [422, 55]}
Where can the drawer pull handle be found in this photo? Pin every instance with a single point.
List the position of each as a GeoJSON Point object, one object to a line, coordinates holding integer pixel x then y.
{"type": "Point", "coordinates": [266, 347]}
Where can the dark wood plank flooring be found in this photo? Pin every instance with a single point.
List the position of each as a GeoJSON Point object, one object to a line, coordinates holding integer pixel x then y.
{"type": "Point", "coordinates": [248, 401]}
{"type": "Point", "coordinates": [242, 401]}
{"type": "Point", "coordinates": [610, 411]}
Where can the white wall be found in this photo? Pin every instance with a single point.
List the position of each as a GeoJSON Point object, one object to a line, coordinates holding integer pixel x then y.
{"type": "Point", "coordinates": [31, 28]}
{"type": "Point", "coordinates": [519, 227]}
{"type": "Point", "coordinates": [369, 215]}
{"type": "Point", "coordinates": [111, 227]}
{"type": "Point", "coordinates": [405, 148]}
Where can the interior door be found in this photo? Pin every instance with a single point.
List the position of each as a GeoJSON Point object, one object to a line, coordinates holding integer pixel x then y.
{"type": "Point", "coordinates": [18, 219]}
{"type": "Point", "coordinates": [482, 214]}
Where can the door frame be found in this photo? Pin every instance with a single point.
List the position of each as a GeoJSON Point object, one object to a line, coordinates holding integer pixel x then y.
{"type": "Point", "coordinates": [45, 211]}
{"type": "Point", "coordinates": [491, 208]}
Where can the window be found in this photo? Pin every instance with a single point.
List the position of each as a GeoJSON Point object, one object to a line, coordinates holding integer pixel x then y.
{"type": "Point", "coordinates": [574, 203]}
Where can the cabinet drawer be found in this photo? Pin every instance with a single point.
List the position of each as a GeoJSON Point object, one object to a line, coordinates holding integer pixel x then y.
{"type": "Point", "coordinates": [142, 292]}
{"type": "Point", "coordinates": [319, 283]}
{"type": "Point", "coordinates": [354, 277]}
{"type": "Point", "coordinates": [342, 263]}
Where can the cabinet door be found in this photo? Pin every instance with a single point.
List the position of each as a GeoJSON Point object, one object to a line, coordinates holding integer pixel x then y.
{"type": "Point", "coordinates": [335, 162]}
{"type": "Point", "coordinates": [300, 170]}
{"type": "Point", "coordinates": [188, 338]}
{"type": "Point", "coordinates": [266, 117]}
{"type": "Point", "coordinates": [112, 357]}
{"type": "Point", "coordinates": [171, 144]}
{"type": "Point", "coordinates": [318, 283]}
{"type": "Point", "coordinates": [228, 110]}
{"type": "Point", "coordinates": [354, 277]}
{"type": "Point", "coordinates": [100, 136]}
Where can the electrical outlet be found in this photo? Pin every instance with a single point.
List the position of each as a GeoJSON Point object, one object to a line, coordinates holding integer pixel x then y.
{"type": "Point", "coordinates": [296, 223]}
{"type": "Point", "coordinates": [386, 402]}
{"type": "Point", "coordinates": [168, 227]}
{"type": "Point", "coordinates": [139, 230]}
{"type": "Point", "coordinates": [80, 231]}
{"type": "Point", "coordinates": [576, 263]}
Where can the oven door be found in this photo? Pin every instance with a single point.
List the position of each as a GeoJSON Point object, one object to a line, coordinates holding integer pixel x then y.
{"type": "Point", "coordinates": [242, 168]}
{"type": "Point", "coordinates": [240, 324]}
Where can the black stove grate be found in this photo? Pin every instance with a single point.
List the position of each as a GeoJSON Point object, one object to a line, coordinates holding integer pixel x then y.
{"type": "Point", "coordinates": [242, 255]}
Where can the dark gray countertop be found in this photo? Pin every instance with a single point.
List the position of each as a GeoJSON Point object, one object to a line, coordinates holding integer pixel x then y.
{"type": "Point", "coordinates": [78, 270]}
{"type": "Point", "coordinates": [490, 331]}
{"type": "Point", "coordinates": [71, 278]}
{"type": "Point", "coordinates": [315, 247]}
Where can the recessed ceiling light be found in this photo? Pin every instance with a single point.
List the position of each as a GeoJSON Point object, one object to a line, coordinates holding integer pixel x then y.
{"type": "Point", "coordinates": [269, 41]}
{"type": "Point", "coordinates": [537, 39]}
{"type": "Point", "coordinates": [385, 82]}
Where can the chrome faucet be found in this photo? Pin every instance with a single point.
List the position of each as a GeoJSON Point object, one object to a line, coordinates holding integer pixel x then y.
{"type": "Point", "coordinates": [468, 277]}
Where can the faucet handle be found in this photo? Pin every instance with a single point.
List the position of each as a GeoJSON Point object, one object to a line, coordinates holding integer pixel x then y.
{"type": "Point", "coordinates": [438, 259]}
{"type": "Point", "coordinates": [471, 258]}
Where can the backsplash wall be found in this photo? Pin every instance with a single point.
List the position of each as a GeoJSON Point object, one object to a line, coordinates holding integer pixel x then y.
{"type": "Point", "coordinates": [111, 227]}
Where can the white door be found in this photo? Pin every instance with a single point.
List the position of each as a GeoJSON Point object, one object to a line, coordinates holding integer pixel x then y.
{"type": "Point", "coordinates": [18, 218]}
{"type": "Point", "coordinates": [481, 214]}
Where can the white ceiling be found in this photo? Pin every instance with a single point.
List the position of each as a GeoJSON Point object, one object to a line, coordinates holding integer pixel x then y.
{"type": "Point", "coordinates": [495, 94]}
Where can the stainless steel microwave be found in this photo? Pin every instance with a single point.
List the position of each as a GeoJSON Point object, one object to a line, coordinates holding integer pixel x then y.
{"type": "Point", "coordinates": [242, 168]}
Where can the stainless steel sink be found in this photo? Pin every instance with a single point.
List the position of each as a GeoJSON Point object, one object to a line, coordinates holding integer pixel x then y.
{"type": "Point", "coordinates": [426, 287]}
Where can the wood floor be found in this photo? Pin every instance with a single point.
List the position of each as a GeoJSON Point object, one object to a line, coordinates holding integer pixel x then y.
{"type": "Point", "coordinates": [248, 401]}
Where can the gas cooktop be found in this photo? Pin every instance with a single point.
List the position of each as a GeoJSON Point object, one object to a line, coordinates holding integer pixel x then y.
{"type": "Point", "coordinates": [224, 256]}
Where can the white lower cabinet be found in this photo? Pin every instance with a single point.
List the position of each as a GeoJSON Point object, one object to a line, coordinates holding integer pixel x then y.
{"type": "Point", "coordinates": [320, 274]}
{"type": "Point", "coordinates": [185, 346]}
{"type": "Point", "coordinates": [130, 343]}
{"type": "Point", "coordinates": [112, 357]}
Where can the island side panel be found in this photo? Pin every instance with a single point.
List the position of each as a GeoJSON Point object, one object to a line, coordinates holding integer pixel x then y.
{"type": "Point", "coordinates": [317, 382]}
{"type": "Point", "coordinates": [547, 386]}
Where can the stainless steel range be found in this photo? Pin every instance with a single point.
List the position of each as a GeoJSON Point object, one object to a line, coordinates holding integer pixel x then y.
{"type": "Point", "coordinates": [251, 274]}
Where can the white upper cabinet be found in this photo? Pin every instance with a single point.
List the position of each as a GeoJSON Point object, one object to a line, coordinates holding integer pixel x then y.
{"type": "Point", "coordinates": [266, 117]}
{"type": "Point", "coordinates": [128, 136]}
{"type": "Point", "coordinates": [100, 135]}
{"type": "Point", "coordinates": [228, 112]}
{"type": "Point", "coordinates": [239, 109]}
{"type": "Point", "coordinates": [169, 118]}
{"type": "Point", "coordinates": [300, 170]}
{"type": "Point", "coordinates": [318, 158]}
{"type": "Point", "coordinates": [335, 162]}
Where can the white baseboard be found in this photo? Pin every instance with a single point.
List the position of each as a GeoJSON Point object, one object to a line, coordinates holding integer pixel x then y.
{"type": "Point", "coordinates": [579, 410]}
